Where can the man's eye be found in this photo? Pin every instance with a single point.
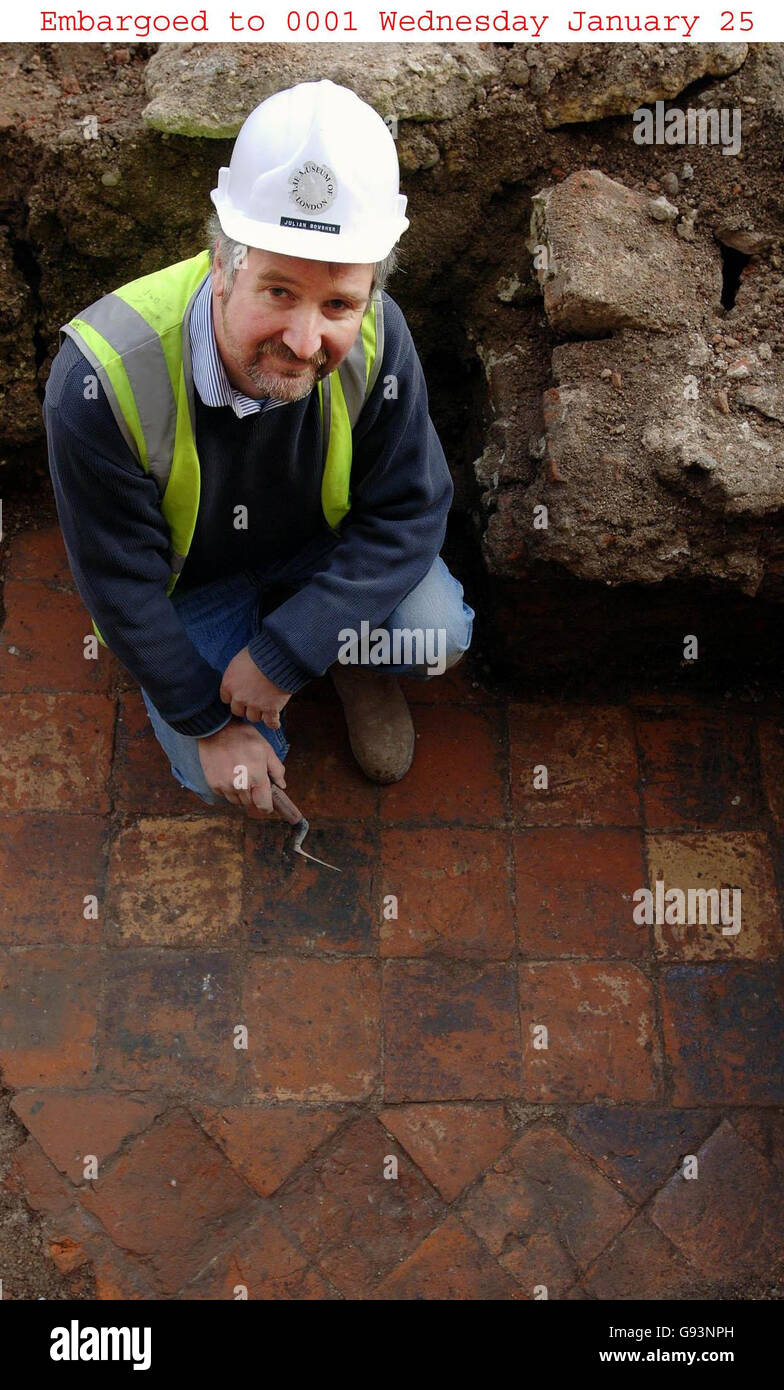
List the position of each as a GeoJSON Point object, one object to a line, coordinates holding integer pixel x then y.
{"type": "Point", "coordinates": [277, 289]}
{"type": "Point", "coordinates": [339, 304]}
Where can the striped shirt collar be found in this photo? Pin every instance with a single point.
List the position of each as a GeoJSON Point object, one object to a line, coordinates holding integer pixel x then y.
{"type": "Point", "coordinates": [209, 373]}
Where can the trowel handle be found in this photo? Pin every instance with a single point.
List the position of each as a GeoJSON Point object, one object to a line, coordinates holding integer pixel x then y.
{"type": "Point", "coordinates": [285, 806]}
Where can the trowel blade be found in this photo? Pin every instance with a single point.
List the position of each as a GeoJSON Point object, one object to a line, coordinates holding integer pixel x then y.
{"type": "Point", "coordinates": [300, 832]}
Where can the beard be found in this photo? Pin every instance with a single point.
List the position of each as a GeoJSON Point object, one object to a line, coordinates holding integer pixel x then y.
{"type": "Point", "coordinates": [276, 384]}
{"type": "Point", "coordinates": [267, 368]}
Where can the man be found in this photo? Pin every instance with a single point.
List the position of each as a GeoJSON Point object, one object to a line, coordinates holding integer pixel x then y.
{"type": "Point", "coordinates": [246, 474]}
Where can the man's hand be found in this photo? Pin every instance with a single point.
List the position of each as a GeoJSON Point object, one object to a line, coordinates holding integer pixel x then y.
{"type": "Point", "coordinates": [250, 693]}
{"type": "Point", "coordinates": [239, 763]}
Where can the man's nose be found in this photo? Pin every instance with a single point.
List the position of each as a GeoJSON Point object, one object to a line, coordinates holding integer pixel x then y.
{"type": "Point", "coordinates": [303, 333]}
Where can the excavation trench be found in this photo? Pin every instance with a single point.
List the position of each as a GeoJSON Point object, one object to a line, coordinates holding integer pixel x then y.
{"type": "Point", "coordinates": [665, 521]}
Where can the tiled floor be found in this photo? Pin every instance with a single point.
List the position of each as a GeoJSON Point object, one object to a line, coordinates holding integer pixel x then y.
{"type": "Point", "coordinates": [457, 1070]}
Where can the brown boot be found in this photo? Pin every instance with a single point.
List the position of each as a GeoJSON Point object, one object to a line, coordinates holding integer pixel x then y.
{"type": "Point", "coordinates": [379, 722]}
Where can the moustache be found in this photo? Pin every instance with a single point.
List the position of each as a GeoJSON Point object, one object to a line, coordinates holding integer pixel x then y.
{"type": "Point", "coordinates": [284, 354]}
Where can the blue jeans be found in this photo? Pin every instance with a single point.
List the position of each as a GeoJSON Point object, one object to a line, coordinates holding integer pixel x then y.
{"type": "Point", "coordinates": [220, 619]}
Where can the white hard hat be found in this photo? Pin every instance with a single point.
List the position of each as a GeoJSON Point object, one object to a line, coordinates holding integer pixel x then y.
{"type": "Point", "coordinates": [314, 173]}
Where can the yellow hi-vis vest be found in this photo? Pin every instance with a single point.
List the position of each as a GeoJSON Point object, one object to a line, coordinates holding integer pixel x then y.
{"type": "Point", "coordinates": [137, 341]}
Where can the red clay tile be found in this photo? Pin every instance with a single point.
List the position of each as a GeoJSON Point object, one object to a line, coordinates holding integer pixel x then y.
{"type": "Point", "coordinates": [765, 1130]}
{"type": "Point", "coordinates": [49, 864]}
{"type": "Point", "coordinates": [37, 1180]}
{"type": "Point", "coordinates": [322, 777]}
{"type": "Point", "coordinates": [176, 881]}
{"type": "Point", "coordinates": [542, 1189]}
{"type": "Point", "coordinates": [41, 554]}
{"type": "Point", "coordinates": [118, 1276]}
{"type": "Point", "coordinates": [724, 1034]}
{"type": "Point", "coordinates": [451, 1031]}
{"type": "Point", "coordinates": [42, 644]}
{"type": "Point", "coordinates": [600, 1038]}
{"type": "Point", "coordinates": [638, 1148]}
{"type": "Point", "coordinates": [171, 1199]}
{"type": "Point", "coordinates": [48, 1003]}
{"type": "Point", "coordinates": [457, 686]}
{"type": "Point", "coordinates": [451, 1265]}
{"type": "Point", "coordinates": [452, 891]}
{"type": "Point", "coordinates": [540, 1265]}
{"type": "Point", "coordinates": [458, 773]}
{"type": "Point", "coordinates": [143, 779]}
{"type": "Point", "coordinates": [56, 752]}
{"type": "Point", "coordinates": [720, 862]}
{"type": "Point", "coordinates": [170, 1020]}
{"type": "Point", "coordinates": [294, 905]}
{"type": "Point", "coordinates": [355, 1222]}
{"type": "Point", "coordinates": [69, 1125]}
{"type": "Point", "coordinates": [574, 892]}
{"type": "Point", "coordinates": [728, 1221]}
{"type": "Point", "coordinates": [641, 1264]}
{"type": "Point", "coordinates": [262, 1264]}
{"type": "Point", "coordinates": [591, 763]}
{"type": "Point", "coordinates": [76, 1240]}
{"type": "Point", "coordinates": [313, 1028]}
{"type": "Point", "coordinates": [451, 1143]}
{"type": "Point", "coordinates": [267, 1143]}
{"type": "Point", "coordinates": [697, 770]}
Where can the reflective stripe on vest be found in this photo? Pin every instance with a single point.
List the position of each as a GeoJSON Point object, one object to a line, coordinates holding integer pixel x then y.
{"type": "Point", "coordinates": [137, 341]}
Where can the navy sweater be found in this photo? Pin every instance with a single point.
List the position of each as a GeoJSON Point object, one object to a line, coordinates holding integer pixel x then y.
{"type": "Point", "coordinates": [118, 541]}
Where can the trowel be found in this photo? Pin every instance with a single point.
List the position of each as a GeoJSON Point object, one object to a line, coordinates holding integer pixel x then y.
{"type": "Point", "coordinates": [294, 816]}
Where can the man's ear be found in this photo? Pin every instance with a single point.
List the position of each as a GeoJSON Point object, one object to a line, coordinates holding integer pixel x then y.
{"type": "Point", "coordinates": [218, 280]}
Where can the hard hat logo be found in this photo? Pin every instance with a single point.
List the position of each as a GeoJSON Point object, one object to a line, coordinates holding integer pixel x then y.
{"type": "Point", "coordinates": [313, 187]}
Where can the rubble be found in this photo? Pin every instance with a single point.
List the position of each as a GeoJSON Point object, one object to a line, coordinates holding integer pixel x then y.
{"type": "Point", "coordinates": [588, 81]}
{"type": "Point", "coordinates": [206, 90]}
{"type": "Point", "coordinates": [609, 266]}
